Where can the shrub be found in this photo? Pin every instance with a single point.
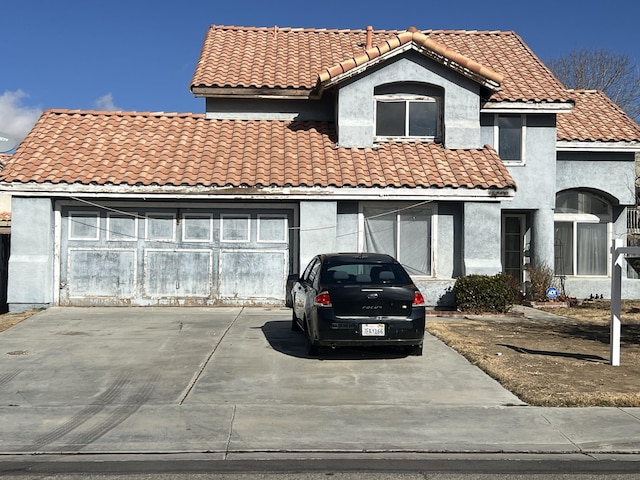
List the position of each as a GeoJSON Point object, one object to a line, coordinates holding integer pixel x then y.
{"type": "Point", "coordinates": [541, 277]}
{"type": "Point", "coordinates": [484, 293]}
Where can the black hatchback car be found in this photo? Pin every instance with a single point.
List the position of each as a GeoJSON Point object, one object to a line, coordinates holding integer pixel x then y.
{"type": "Point", "coordinates": [356, 299]}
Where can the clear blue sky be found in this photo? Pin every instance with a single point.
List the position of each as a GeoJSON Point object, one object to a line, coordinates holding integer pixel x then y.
{"type": "Point", "coordinates": [140, 54]}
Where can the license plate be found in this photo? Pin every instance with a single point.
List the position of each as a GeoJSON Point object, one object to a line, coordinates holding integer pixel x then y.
{"type": "Point", "coordinates": [373, 330]}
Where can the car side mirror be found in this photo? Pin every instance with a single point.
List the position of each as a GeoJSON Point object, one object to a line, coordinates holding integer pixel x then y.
{"type": "Point", "coordinates": [291, 279]}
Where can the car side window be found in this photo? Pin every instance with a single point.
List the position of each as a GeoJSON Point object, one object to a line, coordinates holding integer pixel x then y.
{"type": "Point", "coordinates": [313, 275]}
{"type": "Point", "coordinates": [305, 274]}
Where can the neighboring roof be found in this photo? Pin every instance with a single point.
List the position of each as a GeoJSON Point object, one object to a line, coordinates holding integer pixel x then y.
{"type": "Point", "coordinates": [595, 118]}
{"type": "Point", "coordinates": [116, 148]}
{"type": "Point", "coordinates": [293, 59]}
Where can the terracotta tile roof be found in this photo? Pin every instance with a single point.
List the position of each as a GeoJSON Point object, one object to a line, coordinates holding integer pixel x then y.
{"type": "Point", "coordinates": [293, 59]}
{"type": "Point", "coordinates": [116, 148]}
{"type": "Point", "coordinates": [595, 118]}
{"type": "Point", "coordinates": [433, 49]}
{"type": "Point", "coordinates": [4, 158]}
{"type": "Point", "coordinates": [5, 216]}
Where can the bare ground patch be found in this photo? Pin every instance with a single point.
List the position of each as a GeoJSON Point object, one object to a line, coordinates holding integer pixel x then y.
{"type": "Point", "coordinates": [563, 362]}
{"type": "Point", "coordinates": [8, 320]}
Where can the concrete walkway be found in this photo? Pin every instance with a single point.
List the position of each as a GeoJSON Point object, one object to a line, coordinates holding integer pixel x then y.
{"type": "Point", "coordinates": [235, 381]}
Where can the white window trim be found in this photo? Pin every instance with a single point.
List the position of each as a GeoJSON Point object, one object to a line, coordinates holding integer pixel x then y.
{"type": "Point", "coordinates": [160, 215]}
{"type": "Point", "coordinates": [235, 217]}
{"type": "Point", "coordinates": [406, 97]}
{"type": "Point", "coordinates": [523, 139]}
{"type": "Point", "coordinates": [575, 219]}
{"type": "Point", "coordinates": [80, 213]}
{"type": "Point", "coordinates": [134, 238]}
{"type": "Point", "coordinates": [186, 216]}
{"type": "Point", "coordinates": [272, 216]}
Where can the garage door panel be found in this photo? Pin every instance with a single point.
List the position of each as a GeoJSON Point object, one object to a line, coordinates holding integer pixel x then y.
{"type": "Point", "coordinates": [178, 273]}
{"type": "Point", "coordinates": [101, 273]}
{"type": "Point", "coordinates": [153, 254]}
{"type": "Point", "coordinates": [252, 274]}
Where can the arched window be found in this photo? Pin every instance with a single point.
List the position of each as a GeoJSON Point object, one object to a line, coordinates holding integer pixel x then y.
{"type": "Point", "coordinates": [408, 111]}
{"type": "Point", "coordinates": [582, 226]}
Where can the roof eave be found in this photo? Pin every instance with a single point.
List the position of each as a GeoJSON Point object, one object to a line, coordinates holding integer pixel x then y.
{"type": "Point", "coordinates": [527, 107]}
{"type": "Point", "coordinates": [256, 92]}
{"type": "Point", "coordinates": [597, 146]}
{"type": "Point", "coordinates": [33, 189]}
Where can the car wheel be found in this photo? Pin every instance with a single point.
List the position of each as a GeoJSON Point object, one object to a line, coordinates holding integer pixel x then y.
{"type": "Point", "coordinates": [294, 322]}
{"type": "Point", "coordinates": [312, 348]}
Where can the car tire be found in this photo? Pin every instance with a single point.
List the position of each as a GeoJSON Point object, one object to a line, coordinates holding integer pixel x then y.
{"type": "Point", "coordinates": [294, 322]}
{"type": "Point", "coordinates": [312, 348]}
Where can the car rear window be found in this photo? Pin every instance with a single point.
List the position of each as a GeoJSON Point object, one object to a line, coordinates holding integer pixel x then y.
{"type": "Point", "coordinates": [365, 273]}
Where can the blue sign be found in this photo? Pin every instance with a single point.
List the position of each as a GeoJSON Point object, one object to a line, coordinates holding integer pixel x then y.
{"type": "Point", "coordinates": [552, 293]}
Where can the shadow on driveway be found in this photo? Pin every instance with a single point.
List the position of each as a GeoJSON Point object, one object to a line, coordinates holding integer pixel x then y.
{"type": "Point", "coordinates": [288, 342]}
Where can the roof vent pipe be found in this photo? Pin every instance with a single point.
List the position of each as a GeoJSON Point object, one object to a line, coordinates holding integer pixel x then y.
{"type": "Point", "coordinates": [369, 43]}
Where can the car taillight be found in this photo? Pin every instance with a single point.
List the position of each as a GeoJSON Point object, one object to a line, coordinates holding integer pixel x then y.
{"type": "Point", "coordinates": [322, 299]}
{"type": "Point", "coordinates": [418, 299]}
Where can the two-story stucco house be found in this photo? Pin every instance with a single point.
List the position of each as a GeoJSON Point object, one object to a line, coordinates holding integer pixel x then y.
{"type": "Point", "coordinates": [458, 152]}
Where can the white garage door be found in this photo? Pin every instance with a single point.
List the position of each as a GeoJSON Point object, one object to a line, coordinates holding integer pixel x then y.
{"type": "Point", "coordinates": [162, 256]}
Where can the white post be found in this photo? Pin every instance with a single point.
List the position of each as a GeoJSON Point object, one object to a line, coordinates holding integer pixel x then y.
{"type": "Point", "coordinates": [616, 301]}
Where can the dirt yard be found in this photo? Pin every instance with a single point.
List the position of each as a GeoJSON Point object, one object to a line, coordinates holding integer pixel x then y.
{"type": "Point", "coordinates": [563, 363]}
{"type": "Point", "coordinates": [8, 320]}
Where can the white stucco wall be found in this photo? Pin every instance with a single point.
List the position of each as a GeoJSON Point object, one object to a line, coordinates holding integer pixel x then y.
{"type": "Point", "coordinates": [318, 228]}
{"type": "Point", "coordinates": [32, 252]}
{"type": "Point", "coordinates": [461, 101]}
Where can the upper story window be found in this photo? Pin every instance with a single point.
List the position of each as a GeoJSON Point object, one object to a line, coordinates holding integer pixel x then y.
{"type": "Point", "coordinates": [408, 111]}
{"type": "Point", "coordinates": [509, 137]}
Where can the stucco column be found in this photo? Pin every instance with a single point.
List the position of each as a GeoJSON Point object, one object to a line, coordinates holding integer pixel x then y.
{"type": "Point", "coordinates": [542, 238]}
{"type": "Point", "coordinates": [318, 224]}
{"type": "Point", "coordinates": [32, 251]}
{"type": "Point", "coordinates": [482, 238]}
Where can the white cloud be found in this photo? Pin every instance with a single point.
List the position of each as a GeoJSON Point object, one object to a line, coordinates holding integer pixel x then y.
{"type": "Point", "coordinates": [16, 119]}
{"type": "Point", "coordinates": [106, 103]}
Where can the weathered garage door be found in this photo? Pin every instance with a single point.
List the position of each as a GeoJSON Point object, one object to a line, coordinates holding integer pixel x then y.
{"type": "Point", "coordinates": [164, 256]}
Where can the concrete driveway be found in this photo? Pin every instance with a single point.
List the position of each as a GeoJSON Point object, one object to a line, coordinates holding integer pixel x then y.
{"type": "Point", "coordinates": [235, 380]}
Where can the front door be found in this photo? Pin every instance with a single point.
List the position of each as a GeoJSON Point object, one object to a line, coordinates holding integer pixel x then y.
{"type": "Point", "coordinates": [513, 245]}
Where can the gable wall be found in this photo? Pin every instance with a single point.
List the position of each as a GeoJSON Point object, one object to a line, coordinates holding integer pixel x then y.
{"type": "Point", "coordinates": [461, 102]}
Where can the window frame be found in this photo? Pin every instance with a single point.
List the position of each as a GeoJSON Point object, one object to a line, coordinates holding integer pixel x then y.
{"type": "Point", "coordinates": [273, 216]}
{"type": "Point", "coordinates": [186, 216]}
{"type": "Point", "coordinates": [153, 215]}
{"type": "Point", "coordinates": [399, 209]}
{"type": "Point", "coordinates": [93, 214]}
{"type": "Point", "coordinates": [407, 99]}
{"type": "Point", "coordinates": [582, 218]}
{"type": "Point", "coordinates": [235, 216]}
{"type": "Point", "coordinates": [113, 236]}
{"type": "Point", "coordinates": [523, 137]}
